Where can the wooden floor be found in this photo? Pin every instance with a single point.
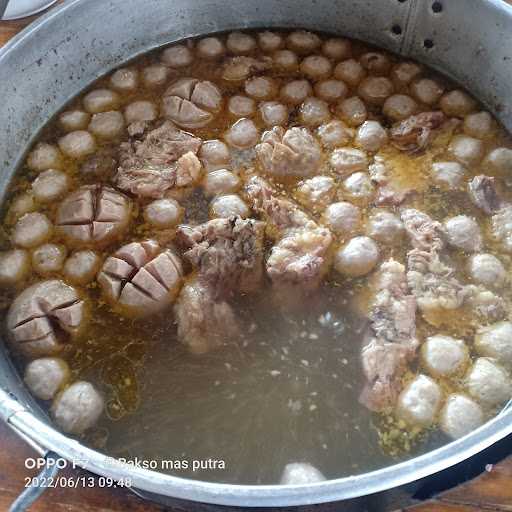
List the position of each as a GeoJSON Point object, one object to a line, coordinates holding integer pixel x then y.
{"type": "Point", "coordinates": [491, 491]}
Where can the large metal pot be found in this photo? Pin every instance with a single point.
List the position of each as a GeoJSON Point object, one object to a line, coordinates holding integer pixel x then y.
{"type": "Point", "coordinates": [52, 60]}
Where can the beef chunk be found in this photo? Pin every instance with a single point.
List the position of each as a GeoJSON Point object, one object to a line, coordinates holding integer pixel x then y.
{"type": "Point", "coordinates": [414, 133]}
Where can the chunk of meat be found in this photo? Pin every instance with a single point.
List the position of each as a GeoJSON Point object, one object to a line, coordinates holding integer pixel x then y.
{"type": "Point", "coordinates": [414, 133]}
{"type": "Point", "coordinates": [43, 316]}
{"type": "Point", "coordinates": [165, 158]}
{"type": "Point", "coordinates": [228, 253]}
{"type": "Point", "coordinates": [389, 192]}
{"type": "Point", "coordinates": [392, 337]}
{"type": "Point", "coordinates": [483, 194]}
{"type": "Point", "coordinates": [140, 278]}
{"type": "Point", "coordinates": [204, 322]}
{"type": "Point", "coordinates": [301, 254]}
{"type": "Point", "coordinates": [294, 152]}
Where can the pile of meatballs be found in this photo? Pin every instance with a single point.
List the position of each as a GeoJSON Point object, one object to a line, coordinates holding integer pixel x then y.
{"type": "Point", "coordinates": [315, 118]}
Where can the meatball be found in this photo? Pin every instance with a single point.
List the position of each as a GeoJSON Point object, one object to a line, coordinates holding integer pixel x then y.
{"type": "Point", "coordinates": [214, 154]}
{"type": "Point", "coordinates": [303, 41]}
{"type": "Point", "coordinates": [426, 91]}
{"type": "Point", "coordinates": [404, 72]}
{"type": "Point", "coordinates": [77, 144]}
{"type": "Point", "coordinates": [77, 408]}
{"type": "Point", "coordinates": [334, 133]}
{"type": "Point", "coordinates": [300, 473]}
{"type": "Point", "coordinates": [43, 157]}
{"type": "Point", "coordinates": [357, 258]}
{"type": "Point", "coordinates": [488, 383]}
{"type": "Point", "coordinates": [243, 134]}
{"type": "Point", "coordinates": [419, 402]}
{"type": "Point", "coordinates": [296, 91]}
{"type": "Point", "coordinates": [486, 269]}
{"type": "Point", "coordinates": [376, 63]}
{"type": "Point", "coordinates": [460, 415]}
{"type": "Point", "coordinates": [72, 120]}
{"type": "Point", "coordinates": [464, 233]}
{"type": "Point", "coordinates": [495, 341]}
{"type": "Point", "coordinates": [317, 192]}
{"type": "Point", "coordinates": [48, 258]}
{"type": "Point", "coordinates": [479, 125]}
{"type": "Point", "coordinates": [107, 125]}
{"type": "Point", "coordinates": [352, 111]}
{"type": "Point", "coordinates": [330, 90]}
{"type": "Point", "coordinates": [46, 376]}
{"type": "Point", "coordinates": [82, 267]}
{"type": "Point", "coordinates": [210, 48]}
{"type": "Point", "coordinates": [466, 150]}
{"type": "Point", "coordinates": [269, 41]}
{"type": "Point", "coordinates": [140, 111]}
{"type": "Point", "coordinates": [177, 56]}
{"type": "Point", "coordinates": [499, 160]}
{"type": "Point", "coordinates": [163, 213]}
{"type": "Point", "coordinates": [371, 136]}
{"type": "Point", "coordinates": [240, 43]}
{"type": "Point", "coordinates": [24, 203]}
{"type": "Point", "coordinates": [220, 181]}
{"type": "Point", "coordinates": [227, 206]}
{"type": "Point", "coordinates": [359, 186]}
{"type": "Point", "coordinates": [241, 106]}
{"type": "Point", "coordinates": [31, 230]}
{"type": "Point", "coordinates": [286, 60]}
{"type": "Point", "coordinates": [399, 107]}
{"type": "Point", "coordinates": [314, 112]}
{"type": "Point", "coordinates": [342, 218]}
{"type": "Point", "coordinates": [385, 227]}
{"type": "Point", "coordinates": [14, 266]}
{"type": "Point", "coordinates": [101, 100]}
{"type": "Point", "coordinates": [350, 72]}
{"type": "Point", "coordinates": [50, 185]}
{"type": "Point", "coordinates": [457, 103]}
{"type": "Point", "coordinates": [261, 88]}
{"type": "Point", "coordinates": [316, 67]}
{"type": "Point", "coordinates": [345, 161]}
{"type": "Point", "coordinates": [337, 48]}
{"type": "Point", "coordinates": [155, 75]}
{"type": "Point", "coordinates": [125, 80]}
{"type": "Point", "coordinates": [273, 113]}
{"type": "Point", "coordinates": [375, 89]}
{"type": "Point", "coordinates": [448, 174]}
{"type": "Point", "coordinates": [443, 355]}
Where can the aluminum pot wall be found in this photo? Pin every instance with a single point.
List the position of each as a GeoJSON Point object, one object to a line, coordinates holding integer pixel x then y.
{"type": "Point", "coordinates": [53, 59]}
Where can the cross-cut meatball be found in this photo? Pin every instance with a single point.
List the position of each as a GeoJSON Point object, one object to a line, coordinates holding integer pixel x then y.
{"type": "Point", "coordinates": [140, 278]}
{"type": "Point", "coordinates": [46, 376]}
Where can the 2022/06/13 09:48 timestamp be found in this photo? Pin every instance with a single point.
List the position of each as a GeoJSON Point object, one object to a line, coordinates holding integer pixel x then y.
{"type": "Point", "coordinates": [74, 482]}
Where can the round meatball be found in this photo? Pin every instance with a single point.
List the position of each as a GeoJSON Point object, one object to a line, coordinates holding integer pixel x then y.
{"type": "Point", "coordinates": [241, 106]}
{"type": "Point", "coordinates": [31, 230]}
{"type": "Point", "coordinates": [345, 161]}
{"type": "Point", "coordinates": [404, 72]}
{"type": "Point", "coordinates": [499, 160]}
{"type": "Point", "coordinates": [371, 136]}
{"type": "Point", "coordinates": [460, 415]}
{"type": "Point", "coordinates": [376, 63]}
{"type": "Point", "coordinates": [24, 203]}
{"type": "Point", "coordinates": [419, 402]}
{"type": "Point", "coordinates": [163, 213]}
{"type": "Point", "coordinates": [43, 157]}
{"type": "Point", "coordinates": [350, 71]}
{"type": "Point", "coordinates": [303, 41]}
{"type": "Point", "coordinates": [243, 134]}
{"type": "Point", "coordinates": [269, 41]}
{"type": "Point", "coordinates": [337, 48]}
{"type": "Point", "coordinates": [357, 258]}
{"type": "Point", "coordinates": [464, 233]}
{"type": "Point", "coordinates": [210, 48]}
{"type": "Point", "coordinates": [72, 120]}
{"type": "Point", "coordinates": [495, 341]}
{"type": "Point", "coordinates": [155, 75]}
{"type": "Point", "coordinates": [448, 174]}
{"type": "Point", "coordinates": [300, 473]}
{"type": "Point", "coordinates": [334, 134]}
{"type": "Point", "coordinates": [177, 56]}
{"type": "Point", "coordinates": [48, 258]}
{"type": "Point", "coordinates": [457, 103]}
{"type": "Point", "coordinates": [77, 408]}
{"type": "Point", "coordinates": [82, 267]}
{"type": "Point", "coordinates": [352, 111]}
{"type": "Point", "coordinates": [488, 270]}
{"type": "Point", "coordinates": [359, 186]}
{"type": "Point", "coordinates": [296, 91]}
{"type": "Point", "coordinates": [385, 227]}
{"type": "Point", "coordinates": [240, 43]}
{"type": "Point", "coordinates": [314, 112]}
{"type": "Point", "coordinates": [443, 355]}
{"type": "Point", "coordinates": [317, 192]}
{"type": "Point", "coordinates": [399, 106]}
{"type": "Point", "coordinates": [261, 88]}
{"type": "Point", "coordinates": [488, 383]}
{"type": "Point", "coordinates": [342, 218]}
{"type": "Point", "coordinates": [286, 60]}
{"type": "Point", "coordinates": [140, 111]}
{"type": "Point", "coordinates": [228, 205]}
{"type": "Point", "coordinates": [220, 181]}
{"type": "Point", "coordinates": [46, 376]}
{"type": "Point", "coordinates": [466, 150]}
{"type": "Point", "coordinates": [330, 90]}
{"type": "Point", "coordinates": [426, 91]}
{"type": "Point", "coordinates": [77, 144]}
{"type": "Point", "coordinates": [107, 125]}
{"type": "Point", "coordinates": [14, 266]}
{"type": "Point", "coordinates": [125, 80]}
{"type": "Point", "coordinates": [101, 100]}
{"type": "Point", "coordinates": [50, 185]}
{"type": "Point", "coordinates": [479, 125]}
{"type": "Point", "coordinates": [375, 89]}
{"type": "Point", "coordinates": [214, 154]}
{"type": "Point", "coordinates": [316, 67]}
{"type": "Point", "coordinates": [273, 113]}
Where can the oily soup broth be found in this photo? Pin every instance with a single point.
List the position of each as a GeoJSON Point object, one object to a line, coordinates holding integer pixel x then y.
{"type": "Point", "coordinates": [286, 389]}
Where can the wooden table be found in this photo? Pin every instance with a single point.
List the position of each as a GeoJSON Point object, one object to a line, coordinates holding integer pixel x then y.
{"type": "Point", "coordinates": [491, 491]}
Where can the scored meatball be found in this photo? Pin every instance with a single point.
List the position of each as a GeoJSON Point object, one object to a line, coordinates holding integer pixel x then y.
{"type": "Point", "coordinates": [443, 355]}
{"type": "Point", "coordinates": [82, 267]}
{"type": "Point", "coordinates": [14, 266]}
{"type": "Point", "coordinates": [463, 232]}
{"type": "Point", "coordinates": [376, 63]}
{"type": "Point", "coordinates": [460, 416]}
{"type": "Point", "coordinates": [358, 257]}
{"type": "Point", "coordinates": [486, 269]}
{"type": "Point", "coordinates": [77, 408]}
{"type": "Point", "coordinates": [495, 341]}
{"type": "Point", "coordinates": [46, 376]}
